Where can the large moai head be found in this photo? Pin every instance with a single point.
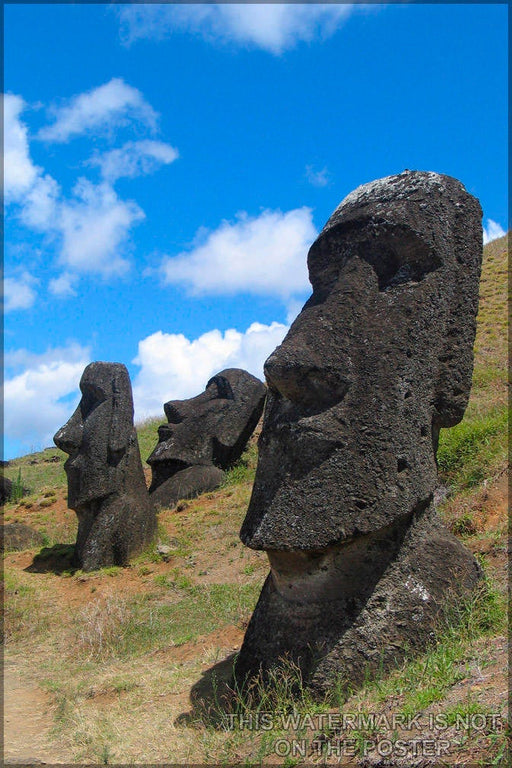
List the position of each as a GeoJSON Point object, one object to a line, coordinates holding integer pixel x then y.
{"type": "Point", "coordinates": [377, 361]}
{"type": "Point", "coordinates": [205, 435]}
{"type": "Point", "coordinates": [98, 434]}
{"type": "Point", "coordinates": [106, 485]}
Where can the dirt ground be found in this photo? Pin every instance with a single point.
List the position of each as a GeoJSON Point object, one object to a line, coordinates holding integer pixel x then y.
{"type": "Point", "coordinates": [207, 550]}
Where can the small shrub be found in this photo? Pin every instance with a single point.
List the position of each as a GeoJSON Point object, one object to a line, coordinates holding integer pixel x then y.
{"type": "Point", "coordinates": [17, 489]}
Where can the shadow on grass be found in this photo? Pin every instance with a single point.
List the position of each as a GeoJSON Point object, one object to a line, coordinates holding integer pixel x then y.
{"type": "Point", "coordinates": [212, 697]}
{"type": "Point", "coordinates": [56, 559]}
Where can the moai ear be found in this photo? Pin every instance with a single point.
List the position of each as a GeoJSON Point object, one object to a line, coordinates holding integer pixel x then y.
{"type": "Point", "coordinates": [121, 425]}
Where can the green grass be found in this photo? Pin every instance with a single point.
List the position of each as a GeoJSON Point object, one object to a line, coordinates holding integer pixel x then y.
{"type": "Point", "coordinates": [25, 613]}
{"type": "Point", "coordinates": [244, 469]}
{"type": "Point", "coordinates": [147, 435]}
{"type": "Point", "coordinates": [119, 628]}
{"type": "Point", "coordinates": [473, 450]}
{"type": "Point", "coordinates": [426, 679]}
{"type": "Point", "coordinates": [38, 471]}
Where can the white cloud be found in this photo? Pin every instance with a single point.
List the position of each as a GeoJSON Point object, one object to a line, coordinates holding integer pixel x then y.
{"type": "Point", "coordinates": [135, 158]}
{"type": "Point", "coordinates": [91, 229]}
{"type": "Point", "coordinates": [19, 292]}
{"type": "Point", "coordinates": [317, 178]}
{"type": "Point", "coordinates": [24, 182]}
{"type": "Point", "coordinates": [262, 255]}
{"type": "Point", "coordinates": [110, 105]}
{"type": "Point", "coordinates": [40, 204]}
{"type": "Point", "coordinates": [173, 367]}
{"type": "Point", "coordinates": [33, 398]}
{"type": "Point", "coordinates": [63, 285]}
{"type": "Point", "coordinates": [273, 27]}
{"type": "Point", "coordinates": [20, 172]}
{"type": "Point", "coordinates": [95, 227]}
{"type": "Point", "coordinates": [492, 231]}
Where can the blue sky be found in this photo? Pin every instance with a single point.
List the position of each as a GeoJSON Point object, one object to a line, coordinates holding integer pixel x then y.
{"type": "Point", "coordinates": [167, 168]}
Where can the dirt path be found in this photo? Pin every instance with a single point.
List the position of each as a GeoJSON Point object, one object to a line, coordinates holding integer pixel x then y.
{"type": "Point", "coordinates": [27, 719]}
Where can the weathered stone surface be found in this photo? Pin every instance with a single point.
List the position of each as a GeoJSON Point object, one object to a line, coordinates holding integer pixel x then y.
{"type": "Point", "coordinates": [205, 435]}
{"type": "Point", "coordinates": [379, 359]}
{"type": "Point", "coordinates": [106, 484]}
{"type": "Point", "coordinates": [18, 536]}
{"type": "Point", "coordinates": [186, 484]}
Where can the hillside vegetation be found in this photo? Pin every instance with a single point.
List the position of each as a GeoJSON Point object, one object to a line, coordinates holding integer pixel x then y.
{"type": "Point", "coordinates": [129, 665]}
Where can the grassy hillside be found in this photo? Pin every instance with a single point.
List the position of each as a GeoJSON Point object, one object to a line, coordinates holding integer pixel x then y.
{"type": "Point", "coordinates": [127, 665]}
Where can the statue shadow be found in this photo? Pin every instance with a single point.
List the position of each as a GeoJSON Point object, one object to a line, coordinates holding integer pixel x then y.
{"type": "Point", "coordinates": [212, 697]}
{"type": "Point", "coordinates": [57, 559]}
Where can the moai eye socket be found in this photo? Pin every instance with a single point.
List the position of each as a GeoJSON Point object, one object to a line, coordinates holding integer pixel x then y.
{"type": "Point", "coordinates": [92, 396]}
{"type": "Point", "coordinates": [220, 388]}
{"type": "Point", "coordinates": [398, 257]}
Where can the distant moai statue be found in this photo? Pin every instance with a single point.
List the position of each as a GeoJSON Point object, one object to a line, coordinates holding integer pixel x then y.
{"type": "Point", "coordinates": [106, 485]}
{"type": "Point", "coordinates": [204, 436]}
{"type": "Point", "coordinates": [379, 359]}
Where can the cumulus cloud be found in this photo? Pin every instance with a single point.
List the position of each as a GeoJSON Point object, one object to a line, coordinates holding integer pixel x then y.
{"type": "Point", "coordinates": [91, 229]}
{"type": "Point", "coordinates": [95, 227]}
{"type": "Point", "coordinates": [261, 255]}
{"type": "Point", "coordinates": [24, 182]}
{"type": "Point", "coordinates": [174, 367]}
{"type": "Point", "coordinates": [33, 399]}
{"type": "Point", "coordinates": [104, 108]}
{"type": "Point", "coordinates": [273, 27]}
{"type": "Point", "coordinates": [135, 158]}
{"type": "Point", "coordinates": [20, 172]}
{"type": "Point", "coordinates": [19, 292]}
{"type": "Point", "coordinates": [493, 231]}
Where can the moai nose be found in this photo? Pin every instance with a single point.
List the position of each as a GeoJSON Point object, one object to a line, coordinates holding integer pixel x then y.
{"type": "Point", "coordinates": [69, 437]}
{"type": "Point", "coordinates": [303, 380]}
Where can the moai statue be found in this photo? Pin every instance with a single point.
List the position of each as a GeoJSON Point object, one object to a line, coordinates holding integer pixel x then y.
{"type": "Point", "coordinates": [106, 485]}
{"type": "Point", "coordinates": [204, 436]}
{"type": "Point", "coordinates": [379, 359]}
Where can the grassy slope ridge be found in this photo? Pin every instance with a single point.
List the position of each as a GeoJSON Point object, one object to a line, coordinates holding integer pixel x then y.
{"type": "Point", "coordinates": [130, 662]}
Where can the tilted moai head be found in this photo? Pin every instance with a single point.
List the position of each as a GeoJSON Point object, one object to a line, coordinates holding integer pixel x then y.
{"type": "Point", "coordinates": [205, 435]}
{"type": "Point", "coordinates": [106, 484]}
{"type": "Point", "coordinates": [379, 359]}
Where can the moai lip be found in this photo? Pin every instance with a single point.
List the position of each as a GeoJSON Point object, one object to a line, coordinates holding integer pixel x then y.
{"type": "Point", "coordinates": [379, 359]}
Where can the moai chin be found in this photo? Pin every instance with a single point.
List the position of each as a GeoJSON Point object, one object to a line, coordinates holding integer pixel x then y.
{"type": "Point", "coordinates": [106, 485]}
{"type": "Point", "coordinates": [204, 436]}
{"type": "Point", "coordinates": [379, 359]}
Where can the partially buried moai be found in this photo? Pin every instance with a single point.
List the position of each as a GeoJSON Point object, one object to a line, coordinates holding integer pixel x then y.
{"type": "Point", "coordinates": [379, 359]}
{"type": "Point", "coordinates": [106, 485]}
{"type": "Point", "coordinates": [204, 436]}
